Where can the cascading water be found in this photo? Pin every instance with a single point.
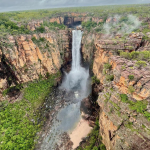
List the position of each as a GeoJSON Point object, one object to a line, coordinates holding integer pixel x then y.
{"type": "Point", "coordinates": [76, 44]}
{"type": "Point", "coordinates": [77, 79]}
{"type": "Point", "coordinates": [76, 85]}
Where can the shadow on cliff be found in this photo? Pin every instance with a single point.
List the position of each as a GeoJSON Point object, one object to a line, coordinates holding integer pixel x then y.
{"type": "Point", "coordinates": [7, 71]}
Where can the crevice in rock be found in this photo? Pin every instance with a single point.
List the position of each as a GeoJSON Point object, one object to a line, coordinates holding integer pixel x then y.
{"type": "Point", "coordinates": [7, 72]}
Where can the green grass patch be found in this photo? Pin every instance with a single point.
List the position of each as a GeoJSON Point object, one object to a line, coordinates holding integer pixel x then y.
{"type": "Point", "coordinates": [19, 120]}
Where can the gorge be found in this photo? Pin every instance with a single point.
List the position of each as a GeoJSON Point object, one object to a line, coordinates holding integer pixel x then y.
{"type": "Point", "coordinates": [75, 87]}
{"type": "Point", "coordinates": [62, 80]}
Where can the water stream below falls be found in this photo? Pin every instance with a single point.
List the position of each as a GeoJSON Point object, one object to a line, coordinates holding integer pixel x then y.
{"type": "Point", "coordinates": [74, 88]}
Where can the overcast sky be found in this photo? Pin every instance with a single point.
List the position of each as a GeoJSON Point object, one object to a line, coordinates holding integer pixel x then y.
{"type": "Point", "coordinates": [12, 5]}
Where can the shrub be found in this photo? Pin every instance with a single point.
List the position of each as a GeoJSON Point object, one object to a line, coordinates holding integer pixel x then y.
{"type": "Point", "coordinates": [34, 39]}
{"type": "Point", "coordinates": [42, 39]}
{"type": "Point", "coordinates": [41, 29]}
{"type": "Point", "coordinates": [144, 55]}
{"type": "Point", "coordinates": [107, 66]}
{"type": "Point", "coordinates": [102, 147]}
{"type": "Point", "coordinates": [109, 77]}
{"type": "Point", "coordinates": [131, 77]}
{"type": "Point", "coordinates": [124, 98]}
{"type": "Point", "coordinates": [128, 125]}
{"type": "Point", "coordinates": [88, 25]}
{"type": "Point", "coordinates": [131, 89]}
{"type": "Point", "coordinates": [141, 64]}
{"type": "Point", "coordinates": [95, 148]}
{"type": "Point", "coordinates": [13, 88]}
{"type": "Point", "coordinates": [95, 80]}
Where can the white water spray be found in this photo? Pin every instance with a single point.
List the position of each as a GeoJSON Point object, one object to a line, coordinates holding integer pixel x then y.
{"type": "Point", "coordinates": [77, 79]}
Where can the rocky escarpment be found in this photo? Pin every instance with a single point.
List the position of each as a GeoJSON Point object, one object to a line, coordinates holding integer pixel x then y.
{"type": "Point", "coordinates": [68, 19]}
{"type": "Point", "coordinates": [27, 57]}
{"type": "Point", "coordinates": [124, 101]}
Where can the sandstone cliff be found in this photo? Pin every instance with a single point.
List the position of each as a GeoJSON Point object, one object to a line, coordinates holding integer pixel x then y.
{"type": "Point", "coordinates": [124, 102]}
{"type": "Point", "coordinates": [27, 57]}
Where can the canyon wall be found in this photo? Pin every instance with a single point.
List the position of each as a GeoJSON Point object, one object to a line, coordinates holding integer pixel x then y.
{"type": "Point", "coordinates": [67, 19]}
{"type": "Point", "coordinates": [121, 126]}
{"type": "Point", "coordinates": [25, 58]}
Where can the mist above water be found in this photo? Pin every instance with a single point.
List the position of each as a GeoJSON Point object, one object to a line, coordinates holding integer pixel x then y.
{"type": "Point", "coordinates": [77, 80]}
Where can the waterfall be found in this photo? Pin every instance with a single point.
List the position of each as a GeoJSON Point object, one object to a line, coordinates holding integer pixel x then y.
{"type": "Point", "coordinates": [75, 87]}
{"type": "Point", "coordinates": [76, 44]}
{"type": "Point", "coordinates": [77, 80]}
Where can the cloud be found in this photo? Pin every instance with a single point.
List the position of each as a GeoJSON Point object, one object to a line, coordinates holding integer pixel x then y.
{"type": "Point", "coordinates": [10, 5]}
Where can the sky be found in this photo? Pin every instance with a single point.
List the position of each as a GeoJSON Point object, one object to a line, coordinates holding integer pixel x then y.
{"type": "Point", "coordinates": [14, 5]}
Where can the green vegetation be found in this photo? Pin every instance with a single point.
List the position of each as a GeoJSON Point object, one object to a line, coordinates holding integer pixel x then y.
{"type": "Point", "coordinates": [131, 77]}
{"type": "Point", "coordinates": [89, 25]}
{"type": "Point", "coordinates": [138, 106]}
{"type": "Point", "coordinates": [19, 120]}
{"type": "Point", "coordinates": [109, 77]}
{"type": "Point", "coordinates": [40, 29]}
{"type": "Point", "coordinates": [140, 10]}
{"type": "Point", "coordinates": [144, 55]}
{"type": "Point", "coordinates": [94, 140]}
{"type": "Point", "coordinates": [9, 27]}
{"type": "Point", "coordinates": [9, 90]}
{"type": "Point", "coordinates": [141, 64]}
{"type": "Point", "coordinates": [54, 25]}
{"type": "Point", "coordinates": [131, 89]}
{"type": "Point", "coordinates": [107, 66]}
{"type": "Point", "coordinates": [37, 41]}
{"type": "Point", "coordinates": [124, 98]}
{"type": "Point", "coordinates": [115, 105]}
{"type": "Point", "coordinates": [95, 80]}
{"type": "Point", "coordinates": [128, 125]}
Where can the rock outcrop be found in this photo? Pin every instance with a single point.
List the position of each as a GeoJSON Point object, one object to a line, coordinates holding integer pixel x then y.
{"type": "Point", "coordinates": [27, 57]}
{"type": "Point", "coordinates": [121, 126]}
{"type": "Point", "coordinates": [66, 19]}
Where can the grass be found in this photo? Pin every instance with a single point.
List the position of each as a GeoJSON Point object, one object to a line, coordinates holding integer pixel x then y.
{"type": "Point", "coordinates": [19, 120]}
